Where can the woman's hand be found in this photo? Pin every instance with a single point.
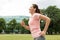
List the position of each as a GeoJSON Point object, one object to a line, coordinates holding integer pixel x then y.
{"type": "Point", "coordinates": [22, 23]}
{"type": "Point", "coordinates": [43, 33]}
{"type": "Point", "coordinates": [25, 26]}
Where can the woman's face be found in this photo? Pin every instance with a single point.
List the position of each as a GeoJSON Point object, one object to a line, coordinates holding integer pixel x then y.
{"type": "Point", "coordinates": [31, 9]}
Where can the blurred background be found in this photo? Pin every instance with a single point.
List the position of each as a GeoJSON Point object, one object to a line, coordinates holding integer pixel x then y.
{"type": "Point", "coordinates": [12, 12]}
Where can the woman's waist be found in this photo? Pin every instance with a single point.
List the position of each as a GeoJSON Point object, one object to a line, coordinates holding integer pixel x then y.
{"type": "Point", "coordinates": [35, 30]}
{"type": "Point", "coordinates": [36, 34]}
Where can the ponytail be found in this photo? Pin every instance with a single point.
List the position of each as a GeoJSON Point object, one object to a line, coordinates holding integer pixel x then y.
{"type": "Point", "coordinates": [37, 9]}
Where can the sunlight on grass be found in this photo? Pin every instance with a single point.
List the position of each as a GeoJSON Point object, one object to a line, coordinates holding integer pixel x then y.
{"type": "Point", "coordinates": [25, 37]}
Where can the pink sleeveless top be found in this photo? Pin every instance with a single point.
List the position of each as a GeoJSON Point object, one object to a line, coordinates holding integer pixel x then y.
{"type": "Point", "coordinates": [34, 25]}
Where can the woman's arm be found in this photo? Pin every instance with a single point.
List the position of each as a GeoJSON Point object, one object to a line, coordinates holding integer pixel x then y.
{"type": "Point", "coordinates": [47, 20]}
{"type": "Point", "coordinates": [25, 26]}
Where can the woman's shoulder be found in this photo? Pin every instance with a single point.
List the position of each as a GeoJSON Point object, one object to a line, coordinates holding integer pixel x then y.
{"type": "Point", "coordinates": [36, 16]}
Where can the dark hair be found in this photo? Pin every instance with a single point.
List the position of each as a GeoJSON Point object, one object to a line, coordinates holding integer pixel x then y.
{"type": "Point", "coordinates": [37, 9]}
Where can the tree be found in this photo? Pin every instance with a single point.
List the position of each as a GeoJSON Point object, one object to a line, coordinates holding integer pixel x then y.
{"type": "Point", "coordinates": [11, 26]}
{"type": "Point", "coordinates": [54, 13]}
{"type": "Point", "coordinates": [2, 24]}
{"type": "Point", "coordinates": [18, 28]}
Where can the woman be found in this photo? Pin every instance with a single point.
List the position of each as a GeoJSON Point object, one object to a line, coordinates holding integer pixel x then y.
{"type": "Point", "coordinates": [34, 23]}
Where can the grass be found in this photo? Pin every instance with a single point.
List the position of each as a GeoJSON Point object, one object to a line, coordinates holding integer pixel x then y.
{"type": "Point", "coordinates": [25, 37]}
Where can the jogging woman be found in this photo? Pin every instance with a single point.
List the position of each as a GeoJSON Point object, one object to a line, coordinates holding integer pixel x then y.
{"type": "Point", "coordinates": [34, 23]}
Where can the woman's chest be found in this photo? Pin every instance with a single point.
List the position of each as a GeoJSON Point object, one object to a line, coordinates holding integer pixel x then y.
{"type": "Point", "coordinates": [33, 21]}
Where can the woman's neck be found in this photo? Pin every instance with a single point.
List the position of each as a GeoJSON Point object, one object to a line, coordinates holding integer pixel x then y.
{"type": "Point", "coordinates": [32, 13]}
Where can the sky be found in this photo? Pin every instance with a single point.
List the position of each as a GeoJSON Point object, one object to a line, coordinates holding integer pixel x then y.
{"type": "Point", "coordinates": [21, 7]}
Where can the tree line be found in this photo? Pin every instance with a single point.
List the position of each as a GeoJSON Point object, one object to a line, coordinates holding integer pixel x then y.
{"type": "Point", "coordinates": [13, 27]}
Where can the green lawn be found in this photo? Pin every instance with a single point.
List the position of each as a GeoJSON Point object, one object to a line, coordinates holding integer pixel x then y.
{"type": "Point", "coordinates": [25, 37]}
